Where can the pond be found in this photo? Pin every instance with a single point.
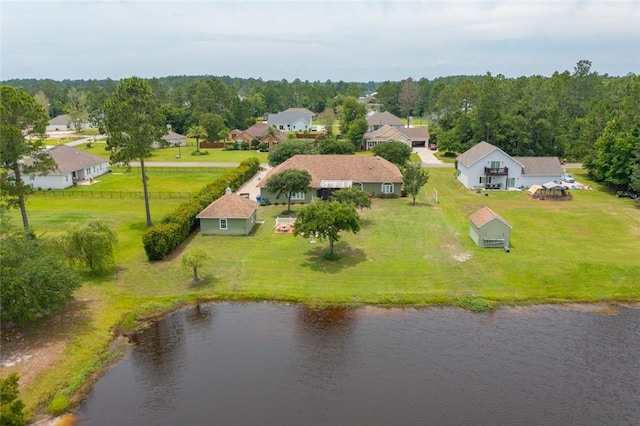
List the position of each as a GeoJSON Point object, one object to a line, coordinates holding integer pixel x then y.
{"type": "Point", "coordinates": [272, 364]}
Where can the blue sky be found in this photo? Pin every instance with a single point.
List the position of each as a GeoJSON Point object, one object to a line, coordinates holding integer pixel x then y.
{"type": "Point", "coordinates": [315, 40]}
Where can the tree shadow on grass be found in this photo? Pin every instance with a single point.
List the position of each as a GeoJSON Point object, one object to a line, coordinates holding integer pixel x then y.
{"type": "Point", "coordinates": [202, 283]}
{"type": "Point", "coordinates": [347, 257]}
{"type": "Point", "coordinates": [419, 204]}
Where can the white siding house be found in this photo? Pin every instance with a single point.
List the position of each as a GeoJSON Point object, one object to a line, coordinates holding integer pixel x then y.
{"type": "Point", "coordinates": [292, 121]}
{"type": "Point", "coordinates": [74, 166]}
{"type": "Point", "coordinates": [487, 166]}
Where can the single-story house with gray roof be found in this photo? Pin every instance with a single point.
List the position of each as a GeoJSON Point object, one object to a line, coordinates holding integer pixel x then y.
{"type": "Point", "coordinates": [230, 214]}
{"type": "Point", "coordinates": [487, 166]}
{"type": "Point", "coordinates": [74, 166]}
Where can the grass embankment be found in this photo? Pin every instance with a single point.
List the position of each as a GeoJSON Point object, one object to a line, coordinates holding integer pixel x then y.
{"type": "Point", "coordinates": [584, 250]}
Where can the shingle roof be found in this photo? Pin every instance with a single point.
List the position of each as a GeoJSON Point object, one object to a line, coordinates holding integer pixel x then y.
{"type": "Point", "coordinates": [386, 133]}
{"type": "Point", "coordinates": [229, 206]}
{"type": "Point", "coordinates": [288, 117]}
{"type": "Point", "coordinates": [380, 118]}
{"type": "Point", "coordinates": [70, 159]}
{"type": "Point", "coordinates": [60, 119]}
{"type": "Point", "coordinates": [302, 110]}
{"type": "Point", "coordinates": [545, 166]}
{"type": "Point", "coordinates": [415, 133]}
{"type": "Point", "coordinates": [484, 216]}
{"type": "Point", "coordinates": [357, 168]}
{"type": "Point", "coordinates": [172, 136]}
{"type": "Point", "coordinates": [475, 153]}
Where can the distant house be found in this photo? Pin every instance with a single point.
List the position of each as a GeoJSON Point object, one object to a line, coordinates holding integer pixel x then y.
{"type": "Point", "coordinates": [74, 166]}
{"type": "Point", "coordinates": [412, 137]}
{"type": "Point", "coordinates": [258, 131]}
{"type": "Point", "coordinates": [374, 175]}
{"type": "Point", "coordinates": [488, 229]}
{"type": "Point", "coordinates": [64, 122]}
{"type": "Point", "coordinates": [301, 110]}
{"type": "Point", "coordinates": [487, 166]}
{"type": "Point", "coordinates": [292, 121]}
{"type": "Point", "coordinates": [171, 138]}
{"type": "Point", "coordinates": [379, 119]}
{"type": "Point", "coordinates": [59, 123]}
{"type": "Point", "coordinates": [230, 214]}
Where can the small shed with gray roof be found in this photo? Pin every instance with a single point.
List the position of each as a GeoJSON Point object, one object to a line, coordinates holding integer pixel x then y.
{"type": "Point", "coordinates": [488, 229]}
{"type": "Point", "coordinates": [230, 214]}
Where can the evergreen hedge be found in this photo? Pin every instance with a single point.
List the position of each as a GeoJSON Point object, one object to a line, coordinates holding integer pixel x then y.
{"type": "Point", "coordinates": [175, 227]}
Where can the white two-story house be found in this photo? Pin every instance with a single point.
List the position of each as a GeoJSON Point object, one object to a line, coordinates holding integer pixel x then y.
{"type": "Point", "coordinates": [487, 166]}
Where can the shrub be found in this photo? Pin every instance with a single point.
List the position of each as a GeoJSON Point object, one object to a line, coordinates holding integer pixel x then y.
{"type": "Point", "coordinates": [176, 226]}
{"type": "Point", "coordinates": [12, 407]}
{"type": "Point", "coordinates": [474, 304]}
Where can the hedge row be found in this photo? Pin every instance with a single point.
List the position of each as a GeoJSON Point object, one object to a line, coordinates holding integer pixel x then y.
{"type": "Point", "coordinates": [175, 227]}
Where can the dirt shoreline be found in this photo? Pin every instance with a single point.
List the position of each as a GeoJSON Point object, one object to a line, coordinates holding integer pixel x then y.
{"type": "Point", "coordinates": [33, 351]}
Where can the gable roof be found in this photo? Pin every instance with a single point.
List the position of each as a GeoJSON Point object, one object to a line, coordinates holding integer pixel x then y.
{"type": "Point", "coordinates": [478, 152]}
{"type": "Point", "coordinates": [70, 159]}
{"type": "Point", "coordinates": [60, 119]}
{"type": "Point", "coordinates": [386, 133]}
{"type": "Point", "coordinates": [173, 136]}
{"type": "Point", "coordinates": [229, 206]}
{"type": "Point", "coordinates": [288, 117]}
{"type": "Point", "coordinates": [416, 133]}
{"type": "Point", "coordinates": [484, 216]}
{"type": "Point", "coordinates": [545, 166]}
{"type": "Point", "coordinates": [381, 118]}
{"type": "Point", "coordinates": [302, 110]}
{"type": "Point", "coordinates": [259, 130]}
{"type": "Point", "coordinates": [357, 168]}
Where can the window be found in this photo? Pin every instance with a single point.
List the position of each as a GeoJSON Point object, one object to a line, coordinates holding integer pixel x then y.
{"type": "Point", "coordinates": [297, 196]}
{"type": "Point", "coordinates": [484, 179]}
{"type": "Point", "coordinates": [223, 224]}
{"type": "Point", "coordinates": [495, 164]}
{"type": "Point", "coordinates": [358, 185]}
{"type": "Point", "coordinates": [387, 188]}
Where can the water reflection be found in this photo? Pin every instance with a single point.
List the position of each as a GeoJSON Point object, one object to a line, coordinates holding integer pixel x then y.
{"type": "Point", "coordinates": [271, 364]}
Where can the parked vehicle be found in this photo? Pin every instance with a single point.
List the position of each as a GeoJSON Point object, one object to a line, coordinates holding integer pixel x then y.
{"type": "Point", "coordinates": [567, 178]}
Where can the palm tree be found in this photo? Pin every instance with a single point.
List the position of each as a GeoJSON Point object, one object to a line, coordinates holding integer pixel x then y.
{"type": "Point", "coordinates": [198, 132]}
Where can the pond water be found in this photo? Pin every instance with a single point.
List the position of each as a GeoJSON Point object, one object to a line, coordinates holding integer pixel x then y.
{"type": "Point", "coordinates": [271, 364]}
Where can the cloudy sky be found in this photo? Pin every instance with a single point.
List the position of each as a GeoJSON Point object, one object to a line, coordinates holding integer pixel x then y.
{"type": "Point", "coordinates": [315, 39]}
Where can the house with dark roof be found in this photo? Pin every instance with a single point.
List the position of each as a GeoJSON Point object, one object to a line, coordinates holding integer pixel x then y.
{"type": "Point", "coordinates": [379, 119]}
{"type": "Point", "coordinates": [230, 214]}
{"type": "Point", "coordinates": [411, 136]}
{"type": "Point", "coordinates": [487, 166]}
{"type": "Point", "coordinates": [374, 175]}
{"type": "Point", "coordinates": [74, 166]}
{"type": "Point", "coordinates": [488, 229]}
{"type": "Point", "coordinates": [290, 121]}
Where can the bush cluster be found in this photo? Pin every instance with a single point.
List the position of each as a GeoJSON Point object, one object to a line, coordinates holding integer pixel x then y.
{"type": "Point", "coordinates": [175, 227]}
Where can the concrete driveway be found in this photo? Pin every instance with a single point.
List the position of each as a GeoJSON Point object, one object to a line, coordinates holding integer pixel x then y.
{"type": "Point", "coordinates": [429, 159]}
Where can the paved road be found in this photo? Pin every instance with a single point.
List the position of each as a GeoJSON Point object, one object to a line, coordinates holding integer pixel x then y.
{"type": "Point", "coordinates": [429, 159]}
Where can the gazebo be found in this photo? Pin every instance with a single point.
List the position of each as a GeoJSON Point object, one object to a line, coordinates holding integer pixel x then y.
{"type": "Point", "coordinates": [550, 190]}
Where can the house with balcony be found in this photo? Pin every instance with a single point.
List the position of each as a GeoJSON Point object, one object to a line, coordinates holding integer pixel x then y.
{"type": "Point", "coordinates": [486, 166]}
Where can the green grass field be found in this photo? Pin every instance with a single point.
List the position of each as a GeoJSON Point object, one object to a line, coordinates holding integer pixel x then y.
{"type": "Point", "coordinates": [583, 250]}
{"type": "Point", "coordinates": [215, 155]}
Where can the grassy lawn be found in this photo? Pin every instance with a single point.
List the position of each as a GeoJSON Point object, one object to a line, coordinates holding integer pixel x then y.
{"type": "Point", "coordinates": [159, 180]}
{"type": "Point", "coordinates": [215, 155]}
{"type": "Point", "coordinates": [584, 250]}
